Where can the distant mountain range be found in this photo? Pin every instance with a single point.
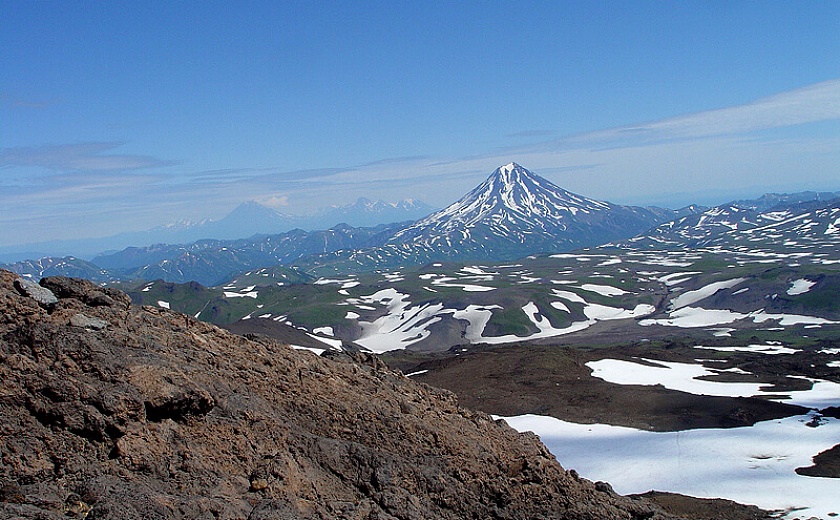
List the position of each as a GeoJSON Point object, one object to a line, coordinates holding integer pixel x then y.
{"type": "Point", "coordinates": [513, 214]}
{"type": "Point", "coordinates": [246, 220]}
{"type": "Point", "coordinates": [781, 221]}
{"type": "Point", "coordinates": [252, 218]}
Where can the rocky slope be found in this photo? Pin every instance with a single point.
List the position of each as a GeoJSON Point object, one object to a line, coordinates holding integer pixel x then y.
{"type": "Point", "coordinates": [114, 411]}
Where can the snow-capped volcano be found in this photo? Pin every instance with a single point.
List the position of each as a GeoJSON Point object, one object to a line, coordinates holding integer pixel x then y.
{"type": "Point", "coordinates": [518, 211]}
{"type": "Point", "coordinates": [512, 195]}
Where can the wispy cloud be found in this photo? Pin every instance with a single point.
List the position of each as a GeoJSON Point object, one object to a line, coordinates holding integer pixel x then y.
{"type": "Point", "coordinates": [274, 201]}
{"type": "Point", "coordinates": [273, 175]}
{"type": "Point", "coordinates": [672, 160]}
{"type": "Point", "coordinates": [397, 160]}
{"type": "Point", "coordinates": [9, 99]}
{"type": "Point", "coordinates": [88, 157]}
{"type": "Point", "coordinates": [529, 134]}
{"type": "Point", "coordinates": [814, 103]}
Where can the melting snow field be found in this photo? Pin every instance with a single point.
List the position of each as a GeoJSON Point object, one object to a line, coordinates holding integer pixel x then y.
{"type": "Point", "coordinates": [404, 324]}
{"type": "Point", "coordinates": [752, 465]}
{"type": "Point", "coordinates": [694, 317]}
{"type": "Point", "coordinates": [401, 326]}
{"type": "Point", "coordinates": [603, 290]}
{"type": "Point", "coordinates": [690, 317]}
{"type": "Point", "coordinates": [246, 292]}
{"type": "Point", "coordinates": [684, 378]}
{"type": "Point", "coordinates": [316, 351]}
{"type": "Point", "coordinates": [695, 296]}
{"type": "Point", "coordinates": [760, 349]}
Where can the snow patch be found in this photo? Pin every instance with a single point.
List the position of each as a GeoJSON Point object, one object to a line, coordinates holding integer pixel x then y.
{"type": "Point", "coordinates": [677, 278]}
{"type": "Point", "coordinates": [692, 317]}
{"type": "Point", "coordinates": [789, 319]}
{"type": "Point", "coordinates": [249, 294]}
{"type": "Point", "coordinates": [401, 326]}
{"type": "Point", "coordinates": [695, 296]}
{"type": "Point", "coordinates": [597, 312]}
{"type": "Point", "coordinates": [800, 286]}
{"type": "Point", "coordinates": [316, 351]}
{"type": "Point", "coordinates": [759, 349]}
{"type": "Point", "coordinates": [560, 306]}
{"type": "Point", "coordinates": [603, 290]}
{"type": "Point", "coordinates": [333, 343]}
{"type": "Point", "coordinates": [683, 377]}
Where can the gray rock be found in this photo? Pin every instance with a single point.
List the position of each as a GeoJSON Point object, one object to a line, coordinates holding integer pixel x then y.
{"type": "Point", "coordinates": [86, 322]}
{"type": "Point", "coordinates": [42, 295]}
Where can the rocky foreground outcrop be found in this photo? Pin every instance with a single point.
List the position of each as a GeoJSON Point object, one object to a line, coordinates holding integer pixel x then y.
{"type": "Point", "coordinates": [114, 411]}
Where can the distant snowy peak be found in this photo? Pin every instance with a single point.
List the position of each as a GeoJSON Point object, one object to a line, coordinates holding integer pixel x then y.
{"type": "Point", "coordinates": [517, 189]}
{"type": "Point", "coordinates": [370, 206]}
{"type": "Point", "coordinates": [58, 266]}
{"type": "Point", "coordinates": [511, 195]}
{"type": "Point", "coordinates": [367, 213]}
{"type": "Point", "coordinates": [516, 212]}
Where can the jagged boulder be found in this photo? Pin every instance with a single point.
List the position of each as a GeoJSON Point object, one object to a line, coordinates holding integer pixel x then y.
{"type": "Point", "coordinates": [158, 415]}
{"type": "Point", "coordinates": [86, 291]}
{"type": "Point", "coordinates": [43, 296]}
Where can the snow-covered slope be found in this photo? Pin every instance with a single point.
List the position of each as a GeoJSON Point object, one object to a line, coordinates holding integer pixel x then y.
{"type": "Point", "coordinates": [515, 212]}
{"type": "Point", "coordinates": [812, 224]}
{"type": "Point", "coordinates": [59, 266]}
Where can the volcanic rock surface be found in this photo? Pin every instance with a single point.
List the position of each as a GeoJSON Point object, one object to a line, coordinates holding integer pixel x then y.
{"type": "Point", "coordinates": [114, 411]}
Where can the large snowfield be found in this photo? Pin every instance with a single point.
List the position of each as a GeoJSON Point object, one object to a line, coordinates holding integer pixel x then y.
{"type": "Point", "coordinates": [754, 465]}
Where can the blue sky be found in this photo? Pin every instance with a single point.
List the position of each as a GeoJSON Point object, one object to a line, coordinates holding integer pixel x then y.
{"type": "Point", "coordinates": [121, 116]}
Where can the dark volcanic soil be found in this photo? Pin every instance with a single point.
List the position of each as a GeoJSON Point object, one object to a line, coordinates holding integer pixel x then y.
{"type": "Point", "coordinates": [826, 464]}
{"type": "Point", "coordinates": [552, 380]}
{"type": "Point", "coordinates": [707, 509]}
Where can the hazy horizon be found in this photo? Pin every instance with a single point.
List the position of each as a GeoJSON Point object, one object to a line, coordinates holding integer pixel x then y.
{"type": "Point", "coordinates": [125, 117]}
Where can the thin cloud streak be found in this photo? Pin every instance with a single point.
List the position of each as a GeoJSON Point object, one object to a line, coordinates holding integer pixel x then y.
{"type": "Point", "coordinates": [820, 102]}
{"type": "Point", "coordinates": [697, 157]}
{"type": "Point", "coordinates": [77, 157]}
{"type": "Point", "coordinates": [814, 103]}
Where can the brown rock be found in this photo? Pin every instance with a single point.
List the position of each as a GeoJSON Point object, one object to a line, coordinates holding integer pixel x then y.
{"type": "Point", "coordinates": [258, 484]}
{"type": "Point", "coordinates": [86, 291]}
{"type": "Point", "coordinates": [161, 416]}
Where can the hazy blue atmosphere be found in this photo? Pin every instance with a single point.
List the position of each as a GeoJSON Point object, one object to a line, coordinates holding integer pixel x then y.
{"type": "Point", "coordinates": [122, 116]}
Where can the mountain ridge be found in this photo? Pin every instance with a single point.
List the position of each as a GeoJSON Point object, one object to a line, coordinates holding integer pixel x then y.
{"type": "Point", "coordinates": [740, 221]}
{"type": "Point", "coordinates": [245, 220]}
{"type": "Point", "coordinates": [512, 214]}
{"type": "Point", "coordinates": [129, 412]}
